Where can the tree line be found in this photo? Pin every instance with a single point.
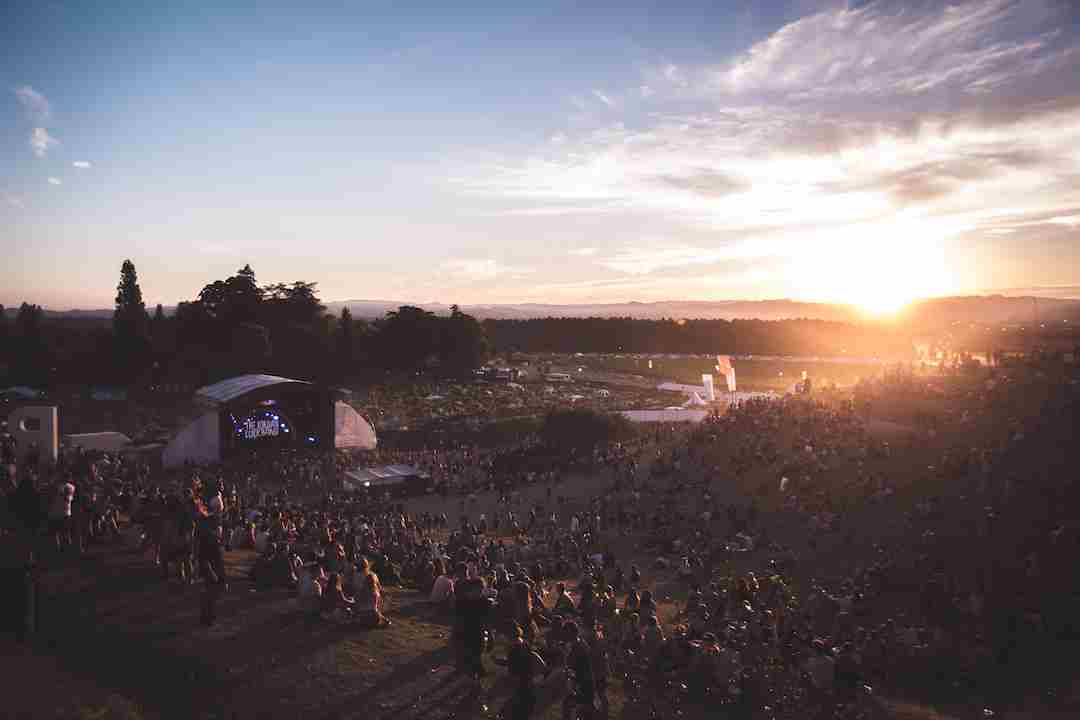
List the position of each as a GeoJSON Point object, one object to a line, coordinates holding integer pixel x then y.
{"type": "Point", "coordinates": [736, 337]}
{"type": "Point", "coordinates": [235, 325]}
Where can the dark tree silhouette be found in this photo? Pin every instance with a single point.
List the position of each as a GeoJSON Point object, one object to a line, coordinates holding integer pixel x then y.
{"type": "Point", "coordinates": [131, 325]}
{"type": "Point", "coordinates": [463, 344]}
{"type": "Point", "coordinates": [345, 342]}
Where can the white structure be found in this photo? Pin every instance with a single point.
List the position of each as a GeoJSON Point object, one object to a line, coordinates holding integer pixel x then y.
{"type": "Point", "coordinates": [710, 393]}
{"type": "Point", "coordinates": [35, 426]}
{"type": "Point", "coordinates": [199, 443]}
{"type": "Point", "coordinates": [695, 401]}
{"type": "Point", "coordinates": [680, 415]}
{"type": "Point", "coordinates": [351, 429]}
{"type": "Point", "coordinates": [103, 441]}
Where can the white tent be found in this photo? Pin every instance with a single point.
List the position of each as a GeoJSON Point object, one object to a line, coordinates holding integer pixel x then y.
{"type": "Point", "coordinates": [695, 401]}
{"type": "Point", "coordinates": [104, 441]}
{"type": "Point", "coordinates": [382, 476]}
{"type": "Point", "coordinates": [198, 443]}
{"type": "Point", "coordinates": [351, 429]}
{"type": "Point", "coordinates": [681, 388]}
{"type": "Point", "coordinates": [679, 415]}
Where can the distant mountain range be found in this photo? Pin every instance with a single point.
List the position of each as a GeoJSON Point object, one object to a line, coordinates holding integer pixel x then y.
{"type": "Point", "coordinates": [930, 313]}
{"type": "Point", "coordinates": [727, 309]}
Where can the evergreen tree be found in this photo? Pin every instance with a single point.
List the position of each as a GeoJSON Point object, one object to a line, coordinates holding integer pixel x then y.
{"type": "Point", "coordinates": [345, 341]}
{"type": "Point", "coordinates": [130, 318]}
{"type": "Point", "coordinates": [31, 362]}
{"type": "Point", "coordinates": [4, 333]}
{"type": "Point", "coordinates": [131, 323]}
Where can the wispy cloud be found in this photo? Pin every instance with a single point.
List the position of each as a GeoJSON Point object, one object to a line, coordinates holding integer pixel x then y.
{"type": "Point", "coordinates": [475, 269]}
{"type": "Point", "coordinates": [675, 75]}
{"type": "Point", "coordinates": [583, 252]}
{"type": "Point", "coordinates": [13, 200]}
{"type": "Point", "coordinates": [832, 141]}
{"type": "Point", "coordinates": [645, 260]}
{"type": "Point", "coordinates": [34, 104]}
{"type": "Point", "coordinates": [602, 97]}
{"type": "Point", "coordinates": [82, 164]}
{"type": "Point", "coordinates": [41, 141]}
{"type": "Point", "coordinates": [888, 48]}
{"type": "Point", "coordinates": [55, 181]}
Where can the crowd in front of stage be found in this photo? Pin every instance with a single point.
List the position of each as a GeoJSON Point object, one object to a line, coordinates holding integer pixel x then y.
{"type": "Point", "coordinates": [732, 517]}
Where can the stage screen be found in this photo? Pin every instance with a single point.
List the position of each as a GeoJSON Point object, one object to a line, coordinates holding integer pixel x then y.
{"type": "Point", "coordinates": [259, 425]}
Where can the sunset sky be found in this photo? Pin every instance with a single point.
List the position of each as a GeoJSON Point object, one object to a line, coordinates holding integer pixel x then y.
{"type": "Point", "coordinates": [855, 152]}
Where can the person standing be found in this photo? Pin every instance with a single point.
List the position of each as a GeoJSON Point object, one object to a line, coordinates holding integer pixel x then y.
{"type": "Point", "coordinates": [522, 662]}
{"type": "Point", "coordinates": [473, 608]}
{"type": "Point", "coordinates": [60, 513]}
{"type": "Point", "coordinates": [211, 556]}
{"type": "Point", "coordinates": [579, 663]}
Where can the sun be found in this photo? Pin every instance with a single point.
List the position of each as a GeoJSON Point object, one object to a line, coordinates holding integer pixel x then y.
{"type": "Point", "coordinates": [879, 272]}
{"type": "Point", "coordinates": [884, 304]}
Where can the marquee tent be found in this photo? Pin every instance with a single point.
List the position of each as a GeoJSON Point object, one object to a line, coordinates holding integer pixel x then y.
{"type": "Point", "coordinates": [351, 429]}
{"type": "Point", "coordinates": [680, 415]}
{"type": "Point", "coordinates": [384, 477]}
{"type": "Point", "coordinates": [103, 441]}
{"type": "Point", "coordinates": [695, 401]}
{"type": "Point", "coordinates": [199, 443]}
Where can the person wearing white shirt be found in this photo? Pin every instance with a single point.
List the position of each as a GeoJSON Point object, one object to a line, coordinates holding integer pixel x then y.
{"type": "Point", "coordinates": [60, 513]}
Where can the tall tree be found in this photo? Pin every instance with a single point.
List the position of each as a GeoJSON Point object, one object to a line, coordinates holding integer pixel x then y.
{"type": "Point", "coordinates": [345, 341]}
{"type": "Point", "coordinates": [131, 323]}
{"type": "Point", "coordinates": [130, 318]}
{"type": "Point", "coordinates": [31, 362]}
{"type": "Point", "coordinates": [408, 338]}
{"type": "Point", "coordinates": [5, 346]}
{"type": "Point", "coordinates": [463, 344]}
{"type": "Point", "coordinates": [244, 296]}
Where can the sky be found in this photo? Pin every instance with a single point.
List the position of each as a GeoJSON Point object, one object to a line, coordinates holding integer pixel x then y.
{"type": "Point", "coordinates": [862, 152]}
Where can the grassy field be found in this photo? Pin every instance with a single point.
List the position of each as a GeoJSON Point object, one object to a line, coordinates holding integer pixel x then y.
{"type": "Point", "coordinates": [752, 374]}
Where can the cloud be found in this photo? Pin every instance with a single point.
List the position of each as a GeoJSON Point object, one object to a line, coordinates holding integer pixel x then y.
{"type": "Point", "coordinates": [675, 75]}
{"type": "Point", "coordinates": [583, 252]}
{"type": "Point", "coordinates": [645, 260]}
{"type": "Point", "coordinates": [603, 98]}
{"type": "Point", "coordinates": [475, 269]}
{"type": "Point", "coordinates": [706, 182]}
{"type": "Point", "coordinates": [82, 164]}
{"type": "Point", "coordinates": [55, 181]}
{"type": "Point", "coordinates": [832, 142]}
{"type": "Point", "coordinates": [896, 49]}
{"type": "Point", "coordinates": [41, 141]}
{"type": "Point", "coordinates": [34, 104]}
{"type": "Point", "coordinates": [13, 200]}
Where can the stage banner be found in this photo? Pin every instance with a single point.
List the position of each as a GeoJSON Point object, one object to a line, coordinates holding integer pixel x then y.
{"type": "Point", "coordinates": [710, 393]}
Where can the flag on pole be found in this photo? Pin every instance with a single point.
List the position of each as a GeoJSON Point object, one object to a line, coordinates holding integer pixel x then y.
{"type": "Point", "coordinates": [725, 368]}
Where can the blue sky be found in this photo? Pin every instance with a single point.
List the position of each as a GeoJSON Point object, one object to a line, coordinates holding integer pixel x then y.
{"type": "Point", "coordinates": [859, 152]}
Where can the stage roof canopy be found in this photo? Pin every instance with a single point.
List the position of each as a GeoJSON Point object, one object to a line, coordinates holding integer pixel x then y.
{"type": "Point", "coordinates": [228, 390]}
